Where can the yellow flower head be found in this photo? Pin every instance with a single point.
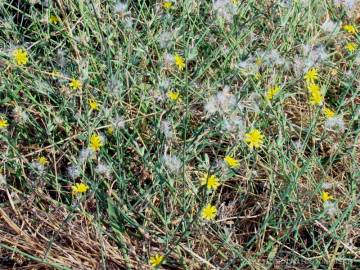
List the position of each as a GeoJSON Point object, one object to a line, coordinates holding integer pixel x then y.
{"type": "Point", "coordinates": [167, 4]}
{"type": "Point", "coordinates": [272, 92]}
{"type": "Point", "coordinates": [329, 113]}
{"type": "Point", "coordinates": [174, 95]}
{"type": "Point", "coordinates": [156, 260]}
{"type": "Point", "coordinates": [179, 62]}
{"type": "Point", "coordinates": [110, 131]}
{"type": "Point", "coordinates": [316, 98]}
{"type": "Point", "coordinates": [232, 162]}
{"type": "Point", "coordinates": [211, 182]}
{"type": "Point", "coordinates": [209, 212]}
{"type": "Point", "coordinates": [254, 138]}
{"type": "Point", "coordinates": [75, 84]}
{"type": "Point", "coordinates": [312, 88]}
{"type": "Point", "coordinates": [257, 76]}
{"type": "Point", "coordinates": [54, 74]}
{"type": "Point", "coordinates": [96, 142]}
{"type": "Point", "coordinates": [93, 105]}
{"type": "Point", "coordinates": [235, 2]}
{"type": "Point", "coordinates": [351, 29]}
{"type": "Point", "coordinates": [79, 188]}
{"type": "Point", "coordinates": [311, 75]}
{"type": "Point", "coordinates": [351, 47]}
{"type": "Point", "coordinates": [42, 161]}
{"type": "Point", "coordinates": [258, 61]}
{"type": "Point", "coordinates": [3, 123]}
{"type": "Point", "coordinates": [20, 56]}
{"type": "Point", "coordinates": [54, 19]}
{"type": "Point", "coordinates": [325, 196]}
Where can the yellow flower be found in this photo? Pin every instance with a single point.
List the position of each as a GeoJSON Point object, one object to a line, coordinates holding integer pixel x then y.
{"type": "Point", "coordinates": [75, 84]}
{"type": "Point", "coordinates": [351, 47]}
{"type": "Point", "coordinates": [54, 74]}
{"type": "Point", "coordinates": [351, 29]}
{"type": "Point", "coordinates": [211, 182]}
{"type": "Point", "coordinates": [79, 188]}
{"type": "Point", "coordinates": [254, 138]}
{"type": "Point", "coordinates": [110, 131]}
{"type": "Point", "coordinates": [316, 98]}
{"type": "Point", "coordinates": [257, 76]}
{"type": "Point", "coordinates": [311, 75]}
{"type": "Point", "coordinates": [258, 61]}
{"type": "Point", "coordinates": [272, 92]}
{"type": "Point", "coordinates": [325, 196]}
{"type": "Point", "coordinates": [54, 19]}
{"type": "Point", "coordinates": [209, 212]}
{"type": "Point", "coordinates": [329, 113]}
{"type": "Point", "coordinates": [20, 56]}
{"type": "Point", "coordinates": [42, 161]}
{"type": "Point", "coordinates": [232, 162]}
{"type": "Point", "coordinates": [174, 95]}
{"type": "Point", "coordinates": [235, 2]}
{"type": "Point", "coordinates": [180, 62]}
{"type": "Point", "coordinates": [96, 142]}
{"type": "Point", "coordinates": [312, 88]}
{"type": "Point", "coordinates": [3, 123]}
{"type": "Point", "coordinates": [93, 105]}
{"type": "Point", "coordinates": [167, 4]}
{"type": "Point", "coordinates": [156, 260]}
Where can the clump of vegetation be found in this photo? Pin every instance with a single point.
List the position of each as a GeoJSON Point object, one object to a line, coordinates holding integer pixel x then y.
{"type": "Point", "coordinates": [179, 134]}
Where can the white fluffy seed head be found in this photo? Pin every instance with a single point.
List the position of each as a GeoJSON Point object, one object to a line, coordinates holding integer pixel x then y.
{"type": "Point", "coordinates": [222, 102]}
{"type": "Point", "coordinates": [172, 163]}
{"type": "Point", "coordinates": [85, 154]}
{"type": "Point", "coordinates": [167, 129]}
{"type": "Point", "coordinates": [329, 26]}
{"type": "Point", "coordinates": [165, 40]}
{"type": "Point", "coordinates": [73, 171]}
{"type": "Point", "coordinates": [38, 167]}
{"type": "Point", "coordinates": [103, 169]}
{"type": "Point", "coordinates": [225, 9]}
{"type": "Point", "coordinates": [121, 7]}
{"type": "Point", "coordinates": [335, 123]}
{"type": "Point", "coordinates": [330, 208]}
{"type": "Point", "coordinates": [2, 181]}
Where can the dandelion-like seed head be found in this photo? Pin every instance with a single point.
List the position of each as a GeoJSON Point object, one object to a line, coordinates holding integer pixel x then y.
{"type": "Point", "coordinates": [121, 7]}
{"type": "Point", "coordinates": [329, 26]}
{"type": "Point", "coordinates": [172, 163]}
